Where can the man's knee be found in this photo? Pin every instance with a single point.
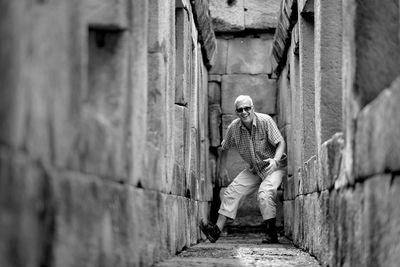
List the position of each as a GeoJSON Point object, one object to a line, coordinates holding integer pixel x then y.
{"type": "Point", "coordinates": [266, 194]}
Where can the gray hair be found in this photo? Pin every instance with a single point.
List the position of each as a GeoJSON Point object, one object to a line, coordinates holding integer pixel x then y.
{"type": "Point", "coordinates": [242, 98]}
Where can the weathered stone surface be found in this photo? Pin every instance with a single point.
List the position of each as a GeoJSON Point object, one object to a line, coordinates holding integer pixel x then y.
{"type": "Point", "coordinates": [288, 217]}
{"type": "Point", "coordinates": [261, 14]}
{"type": "Point", "coordinates": [28, 211]}
{"type": "Point", "coordinates": [214, 93]}
{"type": "Point", "coordinates": [215, 125]}
{"type": "Point", "coordinates": [158, 25]}
{"type": "Point", "coordinates": [220, 58]}
{"type": "Point", "coordinates": [248, 56]}
{"type": "Point", "coordinates": [286, 20]}
{"type": "Point", "coordinates": [214, 78]}
{"type": "Point", "coordinates": [284, 103]}
{"type": "Point", "coordinates": [306, 9]}
{"type": "Point", "coordinates": [227, 17]}
{"type": "Point", "coordinates": [106, 14]}
{"type": "Point", "coordinates": [241, 250]}
{"type": "Point", "coordinates": [137, 99]}
{"type": "Point", "coordinates": [375, 68]}
{"type": "Point", "coordinates": [180, 133]}
{"type": "Point", "coordinates": [288, 188]}
{"type": "Point", "coordinates": [310, 176]}
{"type": "Point", "coordinates": [258, 87]}
{"type": "Point", "coordinates": [183, 52]}
{"type": "Point", "coordinates": [328, 69]}
{"type": "Point", "coordinates": [226, 120]}
{"type": "Point", "coordinates": [102, 132]}
{"type": "Point", "coordinates": [330, 161]}
{"type": "Point", "coordinates": [377, 148]}
{"type": "Point", "coordinates": [307, 85]}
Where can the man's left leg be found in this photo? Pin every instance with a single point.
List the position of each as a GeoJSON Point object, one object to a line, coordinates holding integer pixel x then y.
{"type": "Point", "coordinates": [267, 201]}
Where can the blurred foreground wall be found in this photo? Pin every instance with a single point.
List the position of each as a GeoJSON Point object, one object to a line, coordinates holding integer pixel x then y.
{"type": "Point", "coordinates": [103, 130]}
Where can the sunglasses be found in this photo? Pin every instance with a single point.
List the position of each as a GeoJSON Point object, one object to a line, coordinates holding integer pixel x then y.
{"type": "Point", "coordinates": [240, 110]}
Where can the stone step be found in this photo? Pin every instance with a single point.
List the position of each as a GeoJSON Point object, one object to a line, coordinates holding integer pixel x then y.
{"type": "Point", "coordinates": [241, 250]}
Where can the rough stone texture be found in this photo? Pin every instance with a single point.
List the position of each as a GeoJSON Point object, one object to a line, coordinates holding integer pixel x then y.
{"type": "Point", "coordinates": [106, 14]}
{"type": "Point", "coordinates": [307, 85]}
{"type": "Point", "coordinates": [227, 18]}
{"type": "Point", "coordinates": [261, 14]}
{"type": "Point", "coordinates": [310, 181]}
{"type": "Point", "coordinates": [204, 26]}
{"type": "Point", "coordinates": [183, 52]}
{"type": "Point", "coordinates": [376, 68]}
{"type": "Point", "coordinates": [328, 66]}
{"type": "Point", "coordinates": [88, 173]}
{"type": "Point", "coordinates": [241, 250]}
{"type": "Point", "coordinates": [258, 87]}
{"type": "Point", "coordinates": [102, 132]}
{"type": "Point", "coordinates": [377, 149]}
{"type": "Point", "coordinates": [330, 161]}
{"type": "Point", "coordinates": [220, 58]}
{"type": "Point", "coordinates": [215, 125]}
{"type": "Point", "coordinates": [282, 38]}
{"type": "Point", "coordinates": [214, 93]}
{"type": "Point", "coordinates": [248, 56]}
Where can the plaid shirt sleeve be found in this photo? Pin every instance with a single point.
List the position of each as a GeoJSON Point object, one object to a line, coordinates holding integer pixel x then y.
{"type": "Point", "coordinates": [274, 135]}
{"type": "Point", "coordinates": [229, 140]}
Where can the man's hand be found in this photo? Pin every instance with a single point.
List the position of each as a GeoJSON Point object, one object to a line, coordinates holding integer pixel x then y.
{"type": "Point", "coordinates": [272, 165]}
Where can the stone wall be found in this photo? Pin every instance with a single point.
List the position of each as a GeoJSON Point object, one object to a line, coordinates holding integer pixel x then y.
{"type": "Point", "coordinates": [103, 138]}
{"type": "Point", "coordinates": [341, 201]}
{"type": "Point", "coordinates": [241, 66]}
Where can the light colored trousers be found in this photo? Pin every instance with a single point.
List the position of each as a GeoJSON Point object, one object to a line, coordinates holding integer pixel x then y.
{"type": "Point", "coordinates": [245, 184]}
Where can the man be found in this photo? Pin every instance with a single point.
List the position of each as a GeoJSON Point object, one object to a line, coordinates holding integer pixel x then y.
{"type": "Point", "coordinates": [259, 142]}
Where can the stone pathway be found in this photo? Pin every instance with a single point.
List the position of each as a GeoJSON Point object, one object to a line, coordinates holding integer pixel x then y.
{"type": "Point", "coordinates": [241, 250]}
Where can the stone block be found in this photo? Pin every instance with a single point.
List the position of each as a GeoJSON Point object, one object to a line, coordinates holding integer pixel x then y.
{"type": "Point", "coordinates": [220, 59]}
{"type": "Point", "coordinates": [324, 220]}
{"type": "Point", "coordinates": [137, 99]}
{"type": "Point", "coordinates": [298, 220]}
{"type": "Point", "coordinates": [391, 236]}
{"type": "Point", "coordinates": [214, 78]}
{"type": "Point", "coordinates": [182, 53]}
{"type": "Point", "coordinates": [288, 188]}
{"type": "Point", "coordinates": [180, 134]}
{"type": "Point", "coordinates": [377, 239]}
{"type": "Point", "coordinates": [377, 149]}
{"type": "Point", "coordinates": [227, 17]}
{"type": "Point", "coordinates": [261, 89]}
{"type": "Point", "coordinates": [249, 56]}
{"type": "Point", "coordinates": [158, 25]}
{"type": "Point", "coordinates": [261, 14]}
{"type": "Point", "coordinates": [284, 95]}
{"type": "Point", "coordinates": [28, 213]}
{"type": "Point", "coordinates": [214, 93]}
{"type": "Point", "coordinates": [288, 213]}
{"type": "Point", "coordinates": [102, 132]}
{"type": "Point", "coordinates": [311, 175]}
{"type": "Point", "coordinates": [226, 120]}
{"type": "Point", "coordinates": [106, 14]}
{"type": "Point", "coordinates": [215, 125]}
{"type": "Point", "coordinates": [330, 161]}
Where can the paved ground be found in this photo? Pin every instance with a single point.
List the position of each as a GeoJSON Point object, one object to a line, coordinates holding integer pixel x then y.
{"type": "Point", "coordinates": [241, 250]}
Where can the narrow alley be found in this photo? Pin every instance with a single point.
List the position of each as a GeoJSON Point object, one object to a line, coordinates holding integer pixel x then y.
{"type": "Point", "coordinates": [238, 250]}
{"type": "Point", "coordinates": [126, 124]}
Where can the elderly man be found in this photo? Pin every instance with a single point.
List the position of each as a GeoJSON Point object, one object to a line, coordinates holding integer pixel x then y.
{"type": "Point", "coordinates": [259, 142]}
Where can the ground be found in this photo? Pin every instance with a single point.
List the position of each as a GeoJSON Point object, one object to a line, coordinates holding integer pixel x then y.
{"type": "Point", "coordinates": [241, 250]}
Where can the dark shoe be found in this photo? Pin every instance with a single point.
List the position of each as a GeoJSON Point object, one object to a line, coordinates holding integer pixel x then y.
{"type": "Point", "coordinates": [271, 236]}
{"type": "Point", "coordinates": [211, 231]}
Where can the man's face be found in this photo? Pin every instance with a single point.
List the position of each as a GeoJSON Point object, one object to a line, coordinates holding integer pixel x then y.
{"type": "Point", "coordinates": [245, 111]}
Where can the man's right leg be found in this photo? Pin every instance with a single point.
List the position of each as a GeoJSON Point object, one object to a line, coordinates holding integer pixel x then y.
{"type": "Point", "coordinates": [243, 185]}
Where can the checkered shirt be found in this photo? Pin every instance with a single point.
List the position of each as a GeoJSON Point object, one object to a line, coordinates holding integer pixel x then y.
{"type": "Point", "coordinates": [258, 146]}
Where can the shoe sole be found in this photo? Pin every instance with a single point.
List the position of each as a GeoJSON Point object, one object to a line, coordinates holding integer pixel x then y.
{"type": "Point", "coordinates": [212, 240]}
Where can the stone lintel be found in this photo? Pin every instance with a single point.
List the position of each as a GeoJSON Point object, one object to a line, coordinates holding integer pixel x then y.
{"type": "Point", "coordinates": [286, 21]}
